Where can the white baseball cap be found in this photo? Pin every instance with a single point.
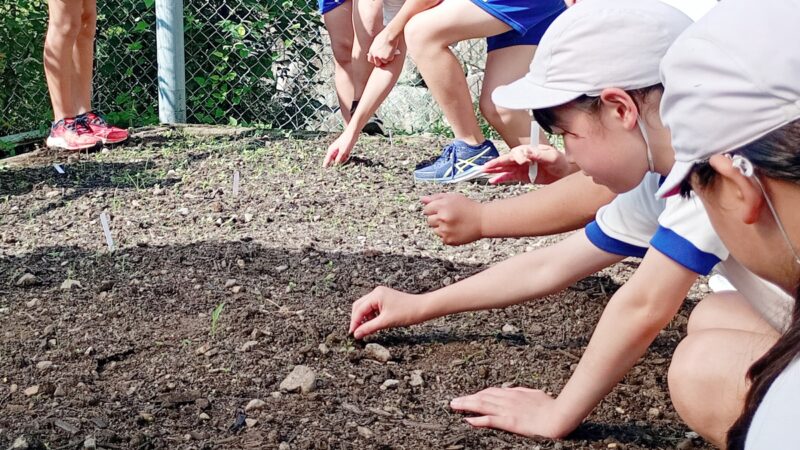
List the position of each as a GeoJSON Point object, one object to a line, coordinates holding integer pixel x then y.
{"type": "Point", "coordinates": [594, 45]}
{"type": "Point", "coordinates": [731, 78]}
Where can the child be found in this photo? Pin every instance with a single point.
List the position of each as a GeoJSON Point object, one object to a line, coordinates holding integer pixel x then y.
{"type": "Point", "coordinates": [68, 65]}
{"type": "Point", "coordinates": [734, 113]}
{"type": "Point", "coordinates": [603, 97]}
{"type": "Point", "coordinates": [429, 27]}
{"type": "Point", "coordinates": [351, 25]}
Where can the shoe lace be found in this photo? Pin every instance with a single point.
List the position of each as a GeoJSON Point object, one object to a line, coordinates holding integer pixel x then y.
{"type": "Point", "coordinates": [79, 126]}
{"type": "Point", "coordinates": [447, 154]}
{"type": "Point", "coordinates": [92, 117]}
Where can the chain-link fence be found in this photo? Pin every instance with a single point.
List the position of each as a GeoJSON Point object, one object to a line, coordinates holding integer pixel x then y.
{"type": "Point", "coordinates": [247, 62]}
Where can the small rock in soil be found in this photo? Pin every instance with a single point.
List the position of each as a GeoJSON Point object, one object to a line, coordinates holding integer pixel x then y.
{"type": "Point", "coordinates": [144, 418]}
{"type": "Point", "coordinates": [255, 405]}
{"type": "Point", "coordinates": [389, 384]}
{"type": "Point", "coordinates": [236, 289]}
{"type": "Point", "coordinates": [377, 352]}
{"type": "Point", "coordinates": [324, 349]}
{"type": "Point", "coordinates": [31, 391]}
{"type": "Point", "coordinates": [202, 403]}
{"type": "Point", "coordinates": [416, 378]}
{"type": "Point", "coordinates": [20, 443]}
{"type": "Point", "coordinates": [284, 446]}
{"type": "Point", "coordinates": [90, 443]}
{"type": "Point", "coordinates": [301, 378]}
{"type": "Point", "coordinates": [44, 365]}
{"type": "Point", "coordinates": [281, 269]}
{"type": "Point", "coordinates": [365, 432]}
{"type": "Point", "coordinates": [105, 286]}
{"type": "Point", "coordinates": [250, 422]}
{"type": "Point", "coordinates": [654, 413]}
{"type": "Point", "coordinates": [70, 284]}
{"type": "Point", "coordinates": [203, 349]}
{"type": "Point", "coordinates": [204, 416]}
{"type": "Point", "coordinates": [247, 346]}
{"type": "Point", "coordinates": [183, 211]}
{"type": "Point", "coordinates": [230, 283]}
{"type": "Point", "coordinates": [510, 329]}
{"type": "Point", "coordinates": [59, 392]}
{"type": "Point", "coordinates": [28, 279]}
{"type": "Point", "coordinates": [13, 389]}
{"type": "Point", "coordinates": [66, 426]}
{"type": "Point", "coordinates": [248, 217]}
{"type": "Point", "coordinates": [33, 303]}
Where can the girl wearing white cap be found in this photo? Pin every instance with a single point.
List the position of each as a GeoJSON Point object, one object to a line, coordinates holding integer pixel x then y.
{"type": "Point", "coordinates": [603, 96]}
{"type": "Point", "coordinates": [734, 113]}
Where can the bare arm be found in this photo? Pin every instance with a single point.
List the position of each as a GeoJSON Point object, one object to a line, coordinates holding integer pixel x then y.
{"type": "Point", "coordinates": [566, 205]}
{"type": "Point", "coordinates": [524, 277]}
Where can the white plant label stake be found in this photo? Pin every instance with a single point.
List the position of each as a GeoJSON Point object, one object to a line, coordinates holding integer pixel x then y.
{"type": "Point", "coordinates": [58, 168]}
{"type": "Point", "coordinates": [533, 169]}
{"type": "Point", "coordinates": [391, 139]}
{"type": "Point", "coordinates": [236, 183]}
{"type": "Point", "coordinates": [106, 230]}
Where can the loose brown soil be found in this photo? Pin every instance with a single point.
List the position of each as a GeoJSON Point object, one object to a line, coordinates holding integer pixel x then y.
{"type": "Point", "coordinates": [133, 362]}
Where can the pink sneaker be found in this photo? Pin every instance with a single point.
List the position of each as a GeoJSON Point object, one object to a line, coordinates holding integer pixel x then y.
{"type": "Point", "coordinates": [109, 134]}
{"type": "Point", "coordinates": [70, 134]}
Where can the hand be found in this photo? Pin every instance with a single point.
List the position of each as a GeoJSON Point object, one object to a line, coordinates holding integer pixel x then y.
{"type": "Point", "coordinates": [513, 166]}
{"type": "Point", "coordinates": [528, 412]}
{"type": "Point", "coordinates": [384, 308]}
{"type": "Point", "coordinates": [453, 217]}
{"type": "Point", "coordinates": [383, 49]}
{"type": "Point", "coordinates": [339, 151]}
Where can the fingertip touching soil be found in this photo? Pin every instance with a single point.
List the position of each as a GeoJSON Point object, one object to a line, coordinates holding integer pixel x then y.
{"type": "Point", "coordinates": [183, 335]}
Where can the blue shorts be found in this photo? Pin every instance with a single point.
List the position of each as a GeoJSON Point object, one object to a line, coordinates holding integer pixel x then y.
{"type": "Point", "coordinates": [528, 19]}
{"type": "Point", "coordinates": [326, 6]}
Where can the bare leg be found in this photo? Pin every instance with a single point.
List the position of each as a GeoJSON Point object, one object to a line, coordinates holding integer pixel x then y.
{"type": "Point", "coordinates": [503, 66]}
{"type": "Point", "coordinates": [367, 23]}
{"type": "Point", "coordinates": [339, 23]}
{"type": "Point", "coordinates": [708, 374]}
{"type": "Point", "coordinates": [83, 58]}
{"type": "Point", "coordinates": [428, 36]}
{"type": "Point", "coordinates": [62, 33]}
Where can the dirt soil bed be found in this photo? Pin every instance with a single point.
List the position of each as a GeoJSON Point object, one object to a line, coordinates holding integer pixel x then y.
{"type": "Point", "coordinates": [123, 349]}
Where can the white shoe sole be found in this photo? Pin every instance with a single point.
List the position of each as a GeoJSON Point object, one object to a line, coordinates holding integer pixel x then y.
{"type": "Point", "coordinates": [62, 144]}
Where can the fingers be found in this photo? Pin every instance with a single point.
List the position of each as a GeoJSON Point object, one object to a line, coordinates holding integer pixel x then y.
{"type": "Point", "coordinates": [330, 156]}
{"type": "Point", "coordinates": [363, 309]}
{"type": "Point", "coordinates": [369, 327]}
{"type": "Point", "coordinates": [496, 422]}
{"type": "Point", "coordinates": [342, 156]}
{"type": "Point", "coordinates": [429, 198]}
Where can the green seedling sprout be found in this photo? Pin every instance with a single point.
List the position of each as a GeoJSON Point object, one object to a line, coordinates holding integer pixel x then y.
{"type": "Point", "coordinates": [215, 317]}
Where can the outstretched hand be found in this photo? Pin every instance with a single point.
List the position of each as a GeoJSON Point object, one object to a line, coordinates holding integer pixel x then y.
{"type": "Point", "coordinates": [339, 151]}
{"type": "Point", "coordinates": [513, 166]}
{"type": "Point", "coordinates": [529, 412]}
{"type": "Point", "coordinates": [383, 308]}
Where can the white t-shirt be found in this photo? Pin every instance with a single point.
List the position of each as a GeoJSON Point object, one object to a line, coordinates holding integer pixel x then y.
{"type": "Point", "coordinates": [390, 9]}
{"type": "Point", "coordinates": [774, 424]}
{"type": "Point", "coordinates": [680, 229]}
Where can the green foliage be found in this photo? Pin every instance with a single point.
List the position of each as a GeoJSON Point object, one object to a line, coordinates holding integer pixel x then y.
{"type": "Point", "coordinates": [247, 61]}
{"type": "Point", "coordinates": [215, 317]}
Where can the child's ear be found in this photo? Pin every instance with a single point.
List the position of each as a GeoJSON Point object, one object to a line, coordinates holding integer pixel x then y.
{"type": "Point", "coordinates": [621, 106]}
{"type": "Point", "coordinates": [741, 191]}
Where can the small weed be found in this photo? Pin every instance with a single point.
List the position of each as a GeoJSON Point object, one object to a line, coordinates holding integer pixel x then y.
{"type": "Point", "coordinates": [215, 317]}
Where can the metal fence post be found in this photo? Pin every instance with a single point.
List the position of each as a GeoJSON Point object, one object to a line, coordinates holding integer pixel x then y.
{"type": "Point", "coordinates": [171, 64]}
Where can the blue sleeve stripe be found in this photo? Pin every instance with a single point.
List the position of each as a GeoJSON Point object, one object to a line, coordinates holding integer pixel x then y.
{"type": "Point", "coordinates": [683, 252]}
{"type": "Point", "coordinates": [609, 244]}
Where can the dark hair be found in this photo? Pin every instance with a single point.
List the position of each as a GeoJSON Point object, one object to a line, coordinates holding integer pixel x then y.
{"type": "Point", "coordinates": [776, 155]}
{"type": "Point", "coordinates": [548, 118]}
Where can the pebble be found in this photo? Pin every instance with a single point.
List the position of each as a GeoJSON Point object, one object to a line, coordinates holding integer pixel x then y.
{"type": "Point", "coordinates": [654, 413]}
{"type": "Point", "coordinates": [203, 349]}
{"type": "Point", "coordinates": [204, 416]}
{"type": "Point", "coordinates": [31, 391]}
{"type": "Point", "coordinates": [302, 378]}
{"type": "Point", "coordinates": [28, 279]}
{"type": "Point", "coordinates": [365, 432]}
{"type": "Point", "coordinates": [236, 289]}
{"type": "Point", "coordinates": [281, 269]}
{"type": "Point", "coordinates": [250, 422]}
{"type": "Point", "coordinates": [284, 446]}
{"type": "Point", "coordinates": [59, 392]}
{"type": "Point", "coordinates": [229, 283]}
{"type": "Point", "coordinates": [13, 389]}
{"type": "Point", "coordinates": [33, 303]}
{"type": "Point", "coordinates": [509, 329]}
{"type": "Point", "coordinates": [90, 443]}
{"type": "Point", "coordinates": [44, 365]}
{"type": "Point", "coordinates": [416, 378]}
{"type": "Point", "coordinates": [69, 284]}
{"type": "Point", "coordinates": [247, 346]}
{"type": "Point", "coordinates": [255, 405]}
{"type": "Point", "coordinates": [324, 349]}
{"type": "Point", "coordinates": [21, 443]}
{"type": "Point", "coordinates": [377, 352]}
{"type": "Point", "coordinates": [183, 211]}
{"type": "Point", "coordinates": [248, 217]}
{"type": "Point", "coordinates": [276, 394]}
{"type": "Point", "coordinates": [390, 384]}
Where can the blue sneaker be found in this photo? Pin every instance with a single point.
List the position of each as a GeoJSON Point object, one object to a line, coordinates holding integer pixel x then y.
{"type": "Point", "coordinates": [459, 161]}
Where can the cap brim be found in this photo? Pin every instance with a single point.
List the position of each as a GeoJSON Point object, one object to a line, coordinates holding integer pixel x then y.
{"type": "Point", "coordinates": [524, 94]}
{"type": "Point", "coordinates": [672, 184]}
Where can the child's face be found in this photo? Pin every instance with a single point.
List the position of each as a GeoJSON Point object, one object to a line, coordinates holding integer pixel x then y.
{"type": "Point", "coordinates": [604, 145]}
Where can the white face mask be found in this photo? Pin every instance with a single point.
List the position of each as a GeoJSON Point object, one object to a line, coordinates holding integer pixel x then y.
{"type": "Point", "coordinates": [650, 165]}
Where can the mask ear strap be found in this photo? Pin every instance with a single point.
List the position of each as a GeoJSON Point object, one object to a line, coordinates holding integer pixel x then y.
{"type": "Point", "coordinates": [650, 165]}
{"type": "Point", "coordinates": [746, 168]}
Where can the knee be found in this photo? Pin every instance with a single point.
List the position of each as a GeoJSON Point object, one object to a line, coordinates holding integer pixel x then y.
{"type": "Point", "coordinates": [691, 378]}
{"type": "Point", "coordinates": [705, 314]}
{"type": "Point", "coordinates": [88, 27]}
{"type": "Point", "coordinates": [65, 27]}
{"type": "Point", "coordinates": [342, 51]}
{"type": "Point", "coordinates": [489, 110]}
{"type": "Point", "coordinates": [418, 36]}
